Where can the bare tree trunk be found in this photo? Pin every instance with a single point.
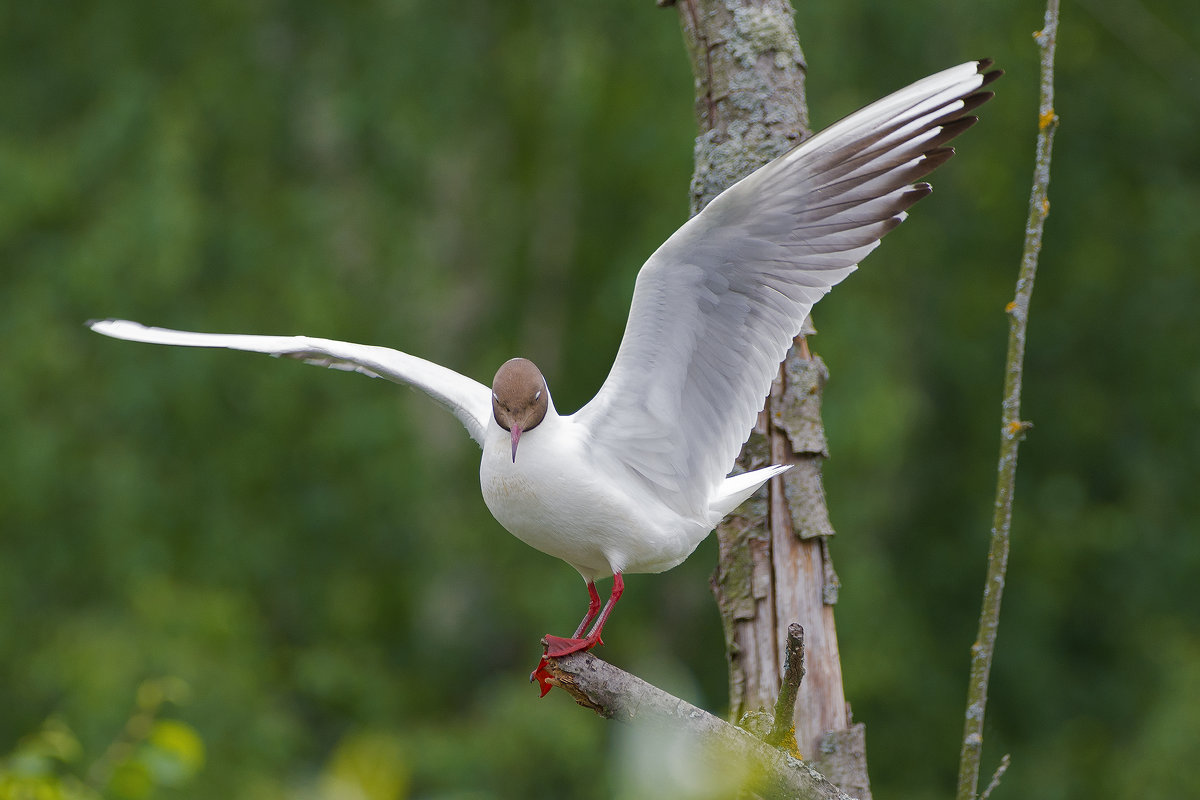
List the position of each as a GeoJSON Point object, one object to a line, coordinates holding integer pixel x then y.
{"type": "Point", "coordinates": [774, 566]}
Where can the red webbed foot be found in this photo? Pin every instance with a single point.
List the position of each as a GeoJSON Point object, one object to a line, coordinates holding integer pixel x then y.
{"type": "Point", "coordinates": [541, 677]}
{"type": "Point", "coordinates": [557, 646]}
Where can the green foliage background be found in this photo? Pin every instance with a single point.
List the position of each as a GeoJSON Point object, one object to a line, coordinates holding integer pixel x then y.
{"type": "Point", "coordinates": [468, 181]}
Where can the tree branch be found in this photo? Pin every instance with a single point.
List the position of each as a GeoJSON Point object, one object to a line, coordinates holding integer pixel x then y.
{"type": "Point", "coordinates": [618, 695]}
{"type": "Point", "coordinates": [996, 776]}
{"type": "Point", "coordinates": [783, 731]}
{"type": "Point", "coordinates": [1012, 427]}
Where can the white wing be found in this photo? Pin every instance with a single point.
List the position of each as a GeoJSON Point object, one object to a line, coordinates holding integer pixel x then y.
{"type": "Point", "coordinates": [716, 307]}
{"type": "Point", "coordinates": [466, 399]}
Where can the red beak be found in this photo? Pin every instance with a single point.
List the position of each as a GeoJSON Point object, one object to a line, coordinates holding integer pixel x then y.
{"type": "Point", "coordinates": [516, 437]}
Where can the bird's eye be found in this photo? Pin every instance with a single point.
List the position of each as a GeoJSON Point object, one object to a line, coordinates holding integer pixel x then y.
{"type": "Point", "coordinates": [536, 396]}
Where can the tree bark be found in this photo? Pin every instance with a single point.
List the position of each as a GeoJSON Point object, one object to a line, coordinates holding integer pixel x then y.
{"type": "Point", "coordinates": [774, 566]}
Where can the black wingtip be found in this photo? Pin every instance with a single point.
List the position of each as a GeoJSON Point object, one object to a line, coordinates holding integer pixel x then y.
{"type": "Point", "coordinates": [974, 101]}
{"type": "Point", "coordinates": [907, 199]}
{"type": "Point", "coordinates": [936, 157]}
{"type": "Point", "coordinates": [915, 193]}
{"type": "Point", "coordinates": [988, 77]}
{"type": "Point", "coordinates": [955, 127]}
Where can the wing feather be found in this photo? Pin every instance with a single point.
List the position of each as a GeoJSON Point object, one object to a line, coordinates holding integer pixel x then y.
{"type": "Point", "coordinates": [468, 400]}
{"type": "Point", "coordinates": [716, 307]}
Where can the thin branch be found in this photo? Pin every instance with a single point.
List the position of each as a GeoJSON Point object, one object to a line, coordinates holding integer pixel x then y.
{"type": "Point", "coordinates": [615, 694]}
{"type": "Point", "coordinates": [996, 776]}
{"type": "Point", "coordinates": [783, 731]}
{"type": "Point", "coordinates": [1013, 428]}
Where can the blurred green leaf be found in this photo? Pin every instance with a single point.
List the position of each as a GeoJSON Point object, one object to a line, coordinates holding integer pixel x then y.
{"type": "Point", "coordinates": [173, 753]}
{"type": "Point", "coordinates": [368, 765]}
{"type": "Point", "coordinates": [131, 779]}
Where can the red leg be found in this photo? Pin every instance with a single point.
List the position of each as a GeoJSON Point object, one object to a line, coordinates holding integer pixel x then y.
{"type": "Point", "coordinates": [557, 646]}
{"type": "Point", "coordinates": [593, 609]}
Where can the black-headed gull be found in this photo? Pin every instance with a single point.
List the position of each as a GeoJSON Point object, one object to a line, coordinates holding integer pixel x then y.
{"type": "Point", "coordinates": [634, 480]}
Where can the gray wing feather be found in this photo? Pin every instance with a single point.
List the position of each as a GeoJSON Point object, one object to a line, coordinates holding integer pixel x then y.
{"type": "Point", "coordinates": [716, 307]}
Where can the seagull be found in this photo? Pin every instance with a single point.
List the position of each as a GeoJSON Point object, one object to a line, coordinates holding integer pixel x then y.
{"type": "Point", "coordinates": [638, 477]}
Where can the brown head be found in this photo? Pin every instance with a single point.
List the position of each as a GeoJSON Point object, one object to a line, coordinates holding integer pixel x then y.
{"type": "Point", "coordinates": [519, 398]}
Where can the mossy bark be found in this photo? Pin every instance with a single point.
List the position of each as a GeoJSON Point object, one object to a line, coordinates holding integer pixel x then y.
{"type": "Point", "coordinates": [774, 566]}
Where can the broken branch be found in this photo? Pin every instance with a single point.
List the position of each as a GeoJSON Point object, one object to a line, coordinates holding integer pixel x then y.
{"type": "Point", "coordinates": [618, 695]}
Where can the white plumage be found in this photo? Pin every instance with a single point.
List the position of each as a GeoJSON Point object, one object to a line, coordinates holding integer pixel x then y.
{"type": "Point", "coordinates": [635, 479]}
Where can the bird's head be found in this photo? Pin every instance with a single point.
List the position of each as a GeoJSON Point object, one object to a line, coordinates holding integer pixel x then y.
{"type": "Point", "coordinates": [520, 398]}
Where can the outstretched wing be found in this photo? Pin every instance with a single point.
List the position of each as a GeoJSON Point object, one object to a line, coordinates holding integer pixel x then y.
{"type": "Point", "coordinates": [465, 398]}
{"type": "Point", "coordinates": [716, 307]}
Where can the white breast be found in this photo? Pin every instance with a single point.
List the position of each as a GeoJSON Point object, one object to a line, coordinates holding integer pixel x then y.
{"type": "Point", "coordinates": [557, 499]}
